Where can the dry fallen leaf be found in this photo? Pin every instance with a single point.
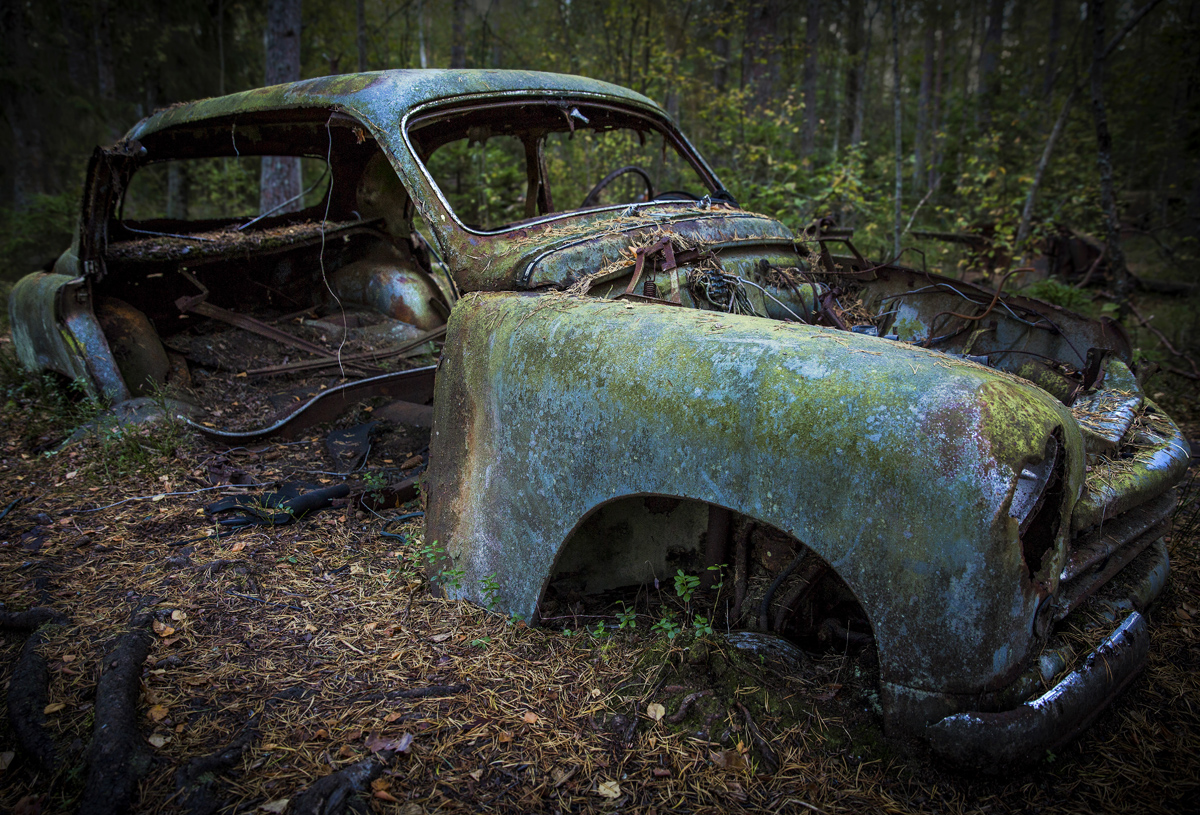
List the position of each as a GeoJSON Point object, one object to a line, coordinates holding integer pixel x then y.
{"type": "Point", "coordinates": [384, 795]}
{"type": "Point", "coordinates": [609, 789]}
{"type": "Point", "coordinates": [158, 712]}
{"type": "Point", "coordinates": [530, 717]}
{"type": "Point", "coordinates": [656, 711]}
{"type": "Point", "coordinates": [178, 616]}
{"type": "Point", "coordinates": [661, 772]}
{"type": "Point", "coordinates": [53, 707]}
{"type": "Point", "coordinates": [275, 806]}
{"type": "Point", "coordinates": [560, 776]}
{"type": "Point", "coordinates": [391, 717]}
{"type": "Point", "coordinates": [505, 737]}
{"type": "Point", "coordinates": [476, 774]}
{"type": "Point", "coordinates": [162, 629]}
{"type": "Point", "coordinates": [728, 759]}
{"type": "Point", "coordinates": [381, 784]}
{"type": "Point", "coordinates": [439, 637]}
{"type": "Point", "coordinates": [6, 758]}
{"type": "Point", "coordinates": [158, 740]}
{"type": "Point", "coordinates": [68, 658]}
{"type": "Point", "coordinates": [377, 744]}
{"type": "Point", "coordinates": [237, 547]}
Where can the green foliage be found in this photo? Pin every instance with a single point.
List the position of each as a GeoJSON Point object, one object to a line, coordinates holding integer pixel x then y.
{"type": "Point", "coordinates": [686, 585]}
{"type": "Point", "coordinates": [702, 626]}
{"type": "Point", "coordinates": [1053, 290]}
{"type": "Point", "coordinates": [627, 618]}
{"type": "Point", "coordinates": [489, 587]}
{"type": "Point", "coordinates": [36, 235]}
{"type": "Point", "coordinates": [666, 625]}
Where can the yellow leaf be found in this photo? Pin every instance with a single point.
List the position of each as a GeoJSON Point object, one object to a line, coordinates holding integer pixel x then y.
{"type": "Point", "coordinates": [53, 707]}
{"type": "Point", "coordinates": [380, 784]}
{"type": "Point", "coordinates": [159, 712]}
{"type": "Point", "coordinates": [505, 737]}
{"type": "Point", "coordinates": [163, 630]}
{"type": "Point", "coordinates": [609, 789]}
{"type": "Point", "coordinates": [391, 717]}
{"type": "Point", "coordinates": [656, 711]}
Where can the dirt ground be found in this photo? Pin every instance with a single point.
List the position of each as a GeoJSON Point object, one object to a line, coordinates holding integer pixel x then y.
{"type": "Point", "coordinates": [313, 646]}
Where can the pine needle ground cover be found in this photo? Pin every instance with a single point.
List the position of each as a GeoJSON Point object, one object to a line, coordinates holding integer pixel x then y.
{"type": "Point", "coordinates": [282, 655]}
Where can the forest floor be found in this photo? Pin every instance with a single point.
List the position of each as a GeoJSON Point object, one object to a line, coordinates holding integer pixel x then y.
{"type": "Point", "coordinates": [315, 646]}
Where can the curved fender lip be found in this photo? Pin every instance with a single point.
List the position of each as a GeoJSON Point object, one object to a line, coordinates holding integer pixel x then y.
{"type": "Point", "coordinates": [1024, 734]}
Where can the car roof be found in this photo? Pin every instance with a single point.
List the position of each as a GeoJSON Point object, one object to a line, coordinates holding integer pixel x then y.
{"type": "Point", "coordinates": [380, 98]}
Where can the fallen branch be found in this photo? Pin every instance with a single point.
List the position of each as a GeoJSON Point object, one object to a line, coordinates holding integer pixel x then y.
{"type": "Point", "coordinates": [332, 794]}
{"type": "Point", "coordinates": [764, 747]}
{"type": "Point", "coordinates": [118, 757]}
{"type": "Point", "coordinates": [196, 781]}
{"type": "Point", "coordinates": [1175, 352]}
{"type": "Point", "coordinates": [27, 691]}
{"type": "Point", "coordinates": [31, 619]}
{"type": "Point", "coordinates": [681, 714]}
{"type": "Point", "coordinates": [413, 693]}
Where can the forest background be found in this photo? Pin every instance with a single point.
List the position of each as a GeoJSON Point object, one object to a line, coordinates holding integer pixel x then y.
{"type": "Point", "coordinates": [891, 116]}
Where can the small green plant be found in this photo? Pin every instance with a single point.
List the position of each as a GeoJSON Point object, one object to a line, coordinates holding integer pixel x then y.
{"type": "Point", "coordinates": [702, 626]}
{"type": "Point", "coordinates": [599, 631]}
{"type": "Point", "coordinates": [626, 618]}
{"type": "Point", "coordinates": [489, 587]}
{"type": "Point", "coordinates": [718, 576]}
{"type": "Point", "coordinates": [686, 585]}
{"type": "Point", "coordinates": [374, 481]}
{"type": "Point", "coordinates": [429, 557]}
{"type": "Point", "coordinates": [481, 642]}
{"type": "Point", "coordinates": [667, 625]}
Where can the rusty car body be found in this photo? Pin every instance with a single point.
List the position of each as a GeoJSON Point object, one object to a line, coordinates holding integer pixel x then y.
{"type": "Point", "coordinates": [655, 378]}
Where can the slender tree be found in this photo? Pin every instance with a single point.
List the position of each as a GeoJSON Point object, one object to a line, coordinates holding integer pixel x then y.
{"type": "Point", "coordinates": [280, 184]}
{"type": "Point", "coordinates": [898, 111]}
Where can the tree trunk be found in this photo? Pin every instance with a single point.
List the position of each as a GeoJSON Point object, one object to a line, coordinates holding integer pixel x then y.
{"type": "Point", "coordinates": [854, 67]}
{"type": "Point", "coordinates": [1052, 48]}
{"type": "Point", "coordinates": [989, 61]}
{"type": "Point", "coordinates": [812, 38]}
{"type": "Point", "coordinates": [76, 46]}
{"type": "Point", "coordinates": [923, 100]}
{"type": "Point", "coordinates": [102, 37]}
{"type": "Point", "coordinates": [361, 33]}
{"type": "Point", "coordinates": [860, 99]}
{"type": "Point", "coordinates": [220, 47]}
{"type": "Point", "coordinates": [280, 179]}
{"type": "Point", "coordinates": [16, 105]}
{"type": "Point", "coordinates": [497, 53]}
{"type": "Point", "coordinates": [760, 55]}
{"type": "Point", "coordinates": [937, 119]}
{"type": "Point", "coordinates": [897, 111]}
{"type": "Point", "coordinates": [1108, 199]}
{"type": "Point", "coordinates": [458, 35]}
{"type": "Point", "coordinates": [720, 75]}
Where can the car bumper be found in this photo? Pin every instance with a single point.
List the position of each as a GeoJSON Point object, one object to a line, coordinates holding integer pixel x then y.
{"type": "Point", "coordinates": [1029, 732]}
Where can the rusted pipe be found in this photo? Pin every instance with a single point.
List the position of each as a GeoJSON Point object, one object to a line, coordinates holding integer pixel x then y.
{"type": "Point", "coordinates": [716, 543]}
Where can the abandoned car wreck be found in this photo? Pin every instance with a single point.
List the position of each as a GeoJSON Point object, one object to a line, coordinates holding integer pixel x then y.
{"type": "Point", "coordinates": [639, 376]}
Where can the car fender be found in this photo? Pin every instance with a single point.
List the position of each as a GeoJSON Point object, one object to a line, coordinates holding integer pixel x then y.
{"type": "Point", "coordinates": [893, 463]}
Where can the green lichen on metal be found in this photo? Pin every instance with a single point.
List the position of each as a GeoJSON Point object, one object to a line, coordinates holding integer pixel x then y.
{"type": "Point", "coordinates": [873, 454]}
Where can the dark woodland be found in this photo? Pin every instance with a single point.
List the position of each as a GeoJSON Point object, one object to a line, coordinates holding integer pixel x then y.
{"type": "Point", "coordinates": [311, 668]}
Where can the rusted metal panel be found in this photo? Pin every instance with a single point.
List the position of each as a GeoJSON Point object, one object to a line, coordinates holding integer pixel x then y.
{"type": "Point", "coordinates": [895, 464]}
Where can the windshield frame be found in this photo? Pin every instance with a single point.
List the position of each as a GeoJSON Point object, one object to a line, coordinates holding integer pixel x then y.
{"type": "Point", "coordinates": [657, 121]}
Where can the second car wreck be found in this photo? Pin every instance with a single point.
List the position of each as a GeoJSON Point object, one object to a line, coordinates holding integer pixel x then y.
{"type": "Point", "coordinates": [641, 377]}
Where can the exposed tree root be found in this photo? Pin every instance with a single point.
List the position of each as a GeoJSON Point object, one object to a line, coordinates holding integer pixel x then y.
{"type": "Point", "coordinates": [195, 783]}
{"type": "Point", "coordinates": [118, 757]}
{"type": "Point", "coordinates": [27, 694]}
{"type": "Point", "coordinates": [30, 620]}
{"type": "Point", "coordinates": [338, 792]}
